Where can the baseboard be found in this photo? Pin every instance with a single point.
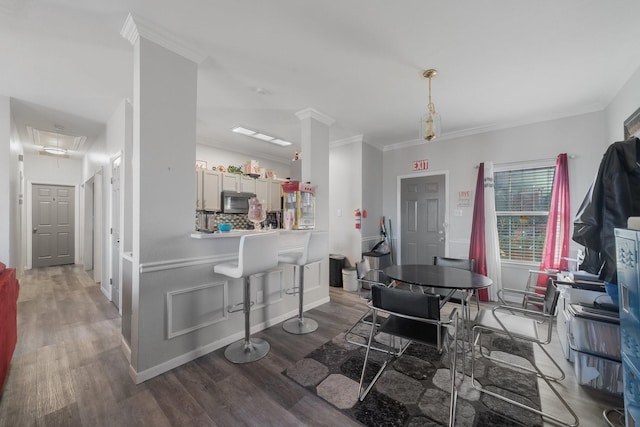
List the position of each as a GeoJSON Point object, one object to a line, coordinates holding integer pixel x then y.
{"type": "Point", "coordinates": [142, 376]}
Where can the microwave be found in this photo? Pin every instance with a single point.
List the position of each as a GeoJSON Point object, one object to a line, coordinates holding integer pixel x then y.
{"type": "Point", "coordinates": [233, 202]}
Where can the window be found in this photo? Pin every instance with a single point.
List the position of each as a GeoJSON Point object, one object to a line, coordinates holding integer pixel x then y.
{"type": "Point", "coordinates": [523, 199]}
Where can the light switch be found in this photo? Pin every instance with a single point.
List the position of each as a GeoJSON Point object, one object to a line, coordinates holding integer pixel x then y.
{"type": "Point", "coordinates": [457, 212]}
{"type": "Point", "coordinates": [339, 212]}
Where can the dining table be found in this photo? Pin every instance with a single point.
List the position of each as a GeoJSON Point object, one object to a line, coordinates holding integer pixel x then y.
{"type": "Point", "coordinates": [436, 276]}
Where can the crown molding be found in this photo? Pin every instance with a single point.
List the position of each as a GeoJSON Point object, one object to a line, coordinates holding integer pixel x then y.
{"type": "Point", "coordinates": [316, 115]}
{"type": "Point", "coordinates": [346, 141]}
{"type": "Point", "coordinates": [136, 27]}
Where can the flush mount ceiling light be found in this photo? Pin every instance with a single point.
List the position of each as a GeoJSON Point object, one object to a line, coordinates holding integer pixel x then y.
{"type": "Point", "coordinates": [430, 123]}
{"type": "Point", "coordinates": [261, 136]}
{"type": "Point", "coordinates": [54, 150]}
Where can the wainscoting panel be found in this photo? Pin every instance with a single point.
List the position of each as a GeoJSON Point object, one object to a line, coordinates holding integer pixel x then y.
{"type": "Point", "coordinates": [195, 308]}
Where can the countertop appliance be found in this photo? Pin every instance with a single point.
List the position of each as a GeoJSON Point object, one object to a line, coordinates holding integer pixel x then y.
{"type": "Point", "coordinates": [234, 202]}
{"type": "Point", "coordinates": [299, 202]}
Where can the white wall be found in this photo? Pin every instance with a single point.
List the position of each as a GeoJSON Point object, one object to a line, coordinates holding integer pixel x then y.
{"type": "Point", "coordinates": [581, 136]}
{"type": "Point", "coordinates": [5, 179]}
{"type": "Point", "coordinates": [16, 195]}
{"type": "Point", "coordinates": [371, 195]}
{"type": "Point", "coordinates": [623, 104]}
{"type": "Point", "coordinates": [215, 156]}
{"type": "Point", "coordinates": [97, 165]}
{"type": "Point", "coordinates": [345, 186]}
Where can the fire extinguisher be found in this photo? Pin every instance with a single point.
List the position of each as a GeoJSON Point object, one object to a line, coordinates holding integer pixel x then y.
{"type": "Point", "coordinates": [358, 218]}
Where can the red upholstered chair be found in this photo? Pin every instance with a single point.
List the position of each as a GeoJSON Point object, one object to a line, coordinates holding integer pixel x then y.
{"type": "Point", "coordinates": [9, 288]}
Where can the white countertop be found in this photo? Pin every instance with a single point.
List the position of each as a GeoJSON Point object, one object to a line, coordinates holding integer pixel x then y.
{"type": "Point", "coordinates": [236, 233]}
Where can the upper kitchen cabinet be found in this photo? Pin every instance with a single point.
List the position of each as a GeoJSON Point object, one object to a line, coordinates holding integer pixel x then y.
{"type": "Point", "coordinates": [239, 183]}
{"type": "Point", "coordinates": [270, 191]}
{"type": "Point", "coordinates": [274, 198]}
{"type": "Point", "coordinates": [199, 174]}
{"type": "Point", "coordinates": [262, 192]}
{"type": "Point", "coordinates": [211, 182]}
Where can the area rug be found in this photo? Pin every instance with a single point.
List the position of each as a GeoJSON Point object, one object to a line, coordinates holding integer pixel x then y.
{"type": "Point", "coordinates": [414, 389]}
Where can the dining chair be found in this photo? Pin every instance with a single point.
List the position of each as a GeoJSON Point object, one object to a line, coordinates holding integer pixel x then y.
{"type": "Point", "coordinates": [530, 325]}
{"type": "Point", "coordinates": [366, 279]}
{"type": "Point", "coordinates": [458, 296]}
{"type": "Point", "coordinates": [412, 317]}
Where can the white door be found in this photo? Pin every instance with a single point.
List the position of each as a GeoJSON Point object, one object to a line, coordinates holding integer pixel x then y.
{"type": "Point", "coordinates": [422, 210]}
{"type": "Point", "coordinates": [115, 232]}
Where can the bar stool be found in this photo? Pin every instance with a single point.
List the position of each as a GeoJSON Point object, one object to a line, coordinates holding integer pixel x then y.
{"type": "Point", "coordinates": [314, 250]}
{"type": "Point", "coordinates": [258, 253]}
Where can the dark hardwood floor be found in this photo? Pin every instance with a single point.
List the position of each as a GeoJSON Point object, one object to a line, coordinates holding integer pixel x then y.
{"type": "Point", "coordinates": [68, 369]}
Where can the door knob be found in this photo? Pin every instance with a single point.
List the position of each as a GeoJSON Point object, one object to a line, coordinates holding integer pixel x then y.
{"type": "Point", "coordinates": [441, 239]}
{"type": "Point", "coordinates": [35, 229]}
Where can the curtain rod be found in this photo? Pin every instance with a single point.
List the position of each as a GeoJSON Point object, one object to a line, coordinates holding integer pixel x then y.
{"type": "Point", "coordinates": [548, 159]}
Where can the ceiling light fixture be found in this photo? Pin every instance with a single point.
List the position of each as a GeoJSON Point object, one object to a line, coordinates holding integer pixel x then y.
{"type": "Point", "coordinates": [430, 123]}
{"type": "Point", "coordinates": [55, 150]}
{"type": "Point", "coordinates": [261, 136]}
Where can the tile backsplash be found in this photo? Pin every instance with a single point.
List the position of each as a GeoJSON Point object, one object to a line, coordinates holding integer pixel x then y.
{"type": "Point", "coordinates": [210, 221]}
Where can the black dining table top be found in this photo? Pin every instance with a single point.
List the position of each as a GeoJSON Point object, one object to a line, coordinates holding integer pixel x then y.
{"type": "Point", "coordinates": [437, 276]}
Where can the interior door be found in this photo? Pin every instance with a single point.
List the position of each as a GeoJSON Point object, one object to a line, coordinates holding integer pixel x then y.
{"type": "Point", "coordinates": [422, 210]}
{"type": "Point", "coordinates": [115, 232]}
{"type": "Point", "coordinates": [53, 223]}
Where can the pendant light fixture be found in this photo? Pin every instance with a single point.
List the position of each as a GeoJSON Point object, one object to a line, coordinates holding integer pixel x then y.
{"type": "Point", "coordinates": [430, 123]}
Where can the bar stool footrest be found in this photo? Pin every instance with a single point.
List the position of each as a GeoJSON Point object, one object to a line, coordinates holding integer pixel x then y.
{"type": "Point", "coordinates": [238, 307]}
{"type": "Point", "coordinates": [292, 291]}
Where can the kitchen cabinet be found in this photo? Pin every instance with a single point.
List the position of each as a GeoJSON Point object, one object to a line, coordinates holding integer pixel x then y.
{"type": "Point", "coordinates": [199, 174]}
{"type": "Point", "coordinates": [262, 192]}
{"type": "Point", "coordinates": [270, 191]}
{"type": "Point", "coordinates": [237, 182]}
{"type": "Point", "coordinates": [274, 195]}
{"type": "Point", "coordinates": [211, 182]}
{"type": "Point", "coordinates": [208, 190]}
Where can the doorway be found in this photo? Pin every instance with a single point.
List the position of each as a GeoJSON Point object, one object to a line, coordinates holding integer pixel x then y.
{"type": "Point", "coordinates": [53, 225]}
{"type": "Point", "coordinates": [423, 224]}
{"type": "Point", "coordinates": [115, 231]}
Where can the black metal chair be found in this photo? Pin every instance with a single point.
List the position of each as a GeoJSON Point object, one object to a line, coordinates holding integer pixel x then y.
{"type": "Point", "coordinates": [367, 278]}
{"type": "Point", "coordinates": [411, 317]}
{"type": "Point", "coordinates": [458, 296]}
{"type": "Point", "coordinates": [530, 325]}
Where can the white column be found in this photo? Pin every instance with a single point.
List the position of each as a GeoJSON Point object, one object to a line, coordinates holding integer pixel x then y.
{"type": "Point", "coordinates": [163, 161]}
{"type": "Point", "coordinates": [315, 159]}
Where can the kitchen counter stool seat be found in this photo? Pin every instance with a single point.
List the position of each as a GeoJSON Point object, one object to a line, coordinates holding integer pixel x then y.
{"type": "Point", "coordinates": [257, 254]}
{"type": "Point", "coordinates": [314, 250]}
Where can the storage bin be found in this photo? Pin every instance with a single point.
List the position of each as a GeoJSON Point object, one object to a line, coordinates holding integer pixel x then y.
{"type": "Point", "coordinates": [349, 279]}
{"type": "Point", "coordinates": [562, 326]}
{"type": "Point", "coordinates": [594, 331]}
{"type": "Point", "coordinates": [598, 372]}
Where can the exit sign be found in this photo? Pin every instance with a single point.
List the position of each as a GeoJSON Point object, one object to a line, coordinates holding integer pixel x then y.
{"type": "Point", "coordinates": [420, 165]}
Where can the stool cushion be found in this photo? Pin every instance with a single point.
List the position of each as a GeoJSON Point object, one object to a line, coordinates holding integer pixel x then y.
{"type": "Point", "coordinates": [294, 258]}
{"type": "Point", "coordinates": [257, 253]}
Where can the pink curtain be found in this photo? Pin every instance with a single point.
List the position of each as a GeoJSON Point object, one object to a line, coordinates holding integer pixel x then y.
{"type": "Point", "coordinates": [556, 242]}
{"type": "Point", "coordinates": [477, 250]}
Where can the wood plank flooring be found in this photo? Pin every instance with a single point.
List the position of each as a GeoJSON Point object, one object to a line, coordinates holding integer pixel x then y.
{"type": "Point", "coordinates": [68, 369]}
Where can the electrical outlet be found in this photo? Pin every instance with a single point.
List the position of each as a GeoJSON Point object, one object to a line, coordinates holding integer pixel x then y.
{"type": "Point", "coordinates": [259, 297]}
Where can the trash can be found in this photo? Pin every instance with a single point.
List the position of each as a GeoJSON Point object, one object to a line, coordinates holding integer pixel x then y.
{"type": "Point", "coordinates": [349, 280]}
{"type": "Point", "coordinates": [377, 261]}
{"type": "Point", "coordinates": [336, 264]}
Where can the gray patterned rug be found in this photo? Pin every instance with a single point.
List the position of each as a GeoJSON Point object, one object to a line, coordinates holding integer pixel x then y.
{"type": "Point", "coordinates": [413, 390]}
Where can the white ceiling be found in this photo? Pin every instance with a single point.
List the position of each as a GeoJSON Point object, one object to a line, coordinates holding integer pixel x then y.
{"type": "Point", "coordinates": [501, 63]}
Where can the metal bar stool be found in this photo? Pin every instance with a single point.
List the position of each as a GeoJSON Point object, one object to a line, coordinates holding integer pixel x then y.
{"type": "Point", "coordinates": [314, 250]}
{"type": "Point", "coordinates": [258, 253]}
